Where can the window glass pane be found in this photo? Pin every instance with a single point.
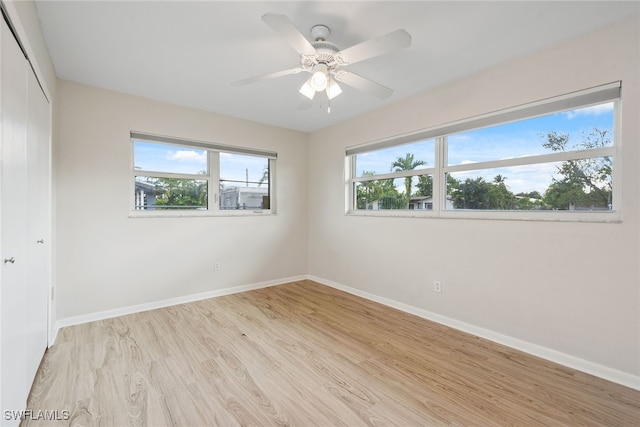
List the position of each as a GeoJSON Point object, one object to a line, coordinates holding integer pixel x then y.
{"type": "Point", "coordinates": [421, 192]}
{"type": "Point", "coordinates": [240, 168]}
{"type": "Point", "coordinates": [418, 155]}
{"type": "Point", "coordinates": [152, 193]}
{"type": "Point", "coordinates": [579, 129]}
{"type": "Point", "coordinates": [382, 194]}
{"type": "Point", "coordinates": [150, 156]}
{"type": "Point", "coordinates": [580, 185]}
{"type": "Point", "coordinates": [244, 182]}
{"type": "Point", "coordinates": [234, 197]}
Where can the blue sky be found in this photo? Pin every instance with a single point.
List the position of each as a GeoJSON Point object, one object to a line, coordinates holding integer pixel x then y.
{"type": "Point", "coordinates": [518, 139]}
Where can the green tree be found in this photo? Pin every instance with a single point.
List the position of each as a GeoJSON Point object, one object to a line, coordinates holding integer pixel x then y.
{"type": "Point", "coordinates": [480, 194]}
{"type": "Point", "coordinates": [265, 176]}
{"type": "Point", "coordinates": [582, 182]}
{"type": "Point", "coordinates": [529, 201]}
{"type": "Point", "coordinates": [407, 163]}
{"type": "Point", "coordinates": [367, 191]}
{"type": "Point", "coordinates": [380, 190]}
{"type": "Point", "coordinates": [499, 196]}
{"type": "Point", "coordinates": [453, 187]}
{"type": "Point", "coordinates": [424, 187]}
{"type": "Point", "coordinates": [179, 192]}
{"type": "Point", "coordinates": [471, 194]}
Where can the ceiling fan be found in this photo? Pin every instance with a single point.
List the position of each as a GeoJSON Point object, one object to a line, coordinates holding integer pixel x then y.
{"type": "Point", "coordinates": [323, 60]}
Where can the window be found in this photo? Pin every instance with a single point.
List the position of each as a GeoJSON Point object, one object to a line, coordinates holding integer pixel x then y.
{"type": "Point", "coordinates": [540, 160]}
{"type": "Point", "coordinates": [172, 175]}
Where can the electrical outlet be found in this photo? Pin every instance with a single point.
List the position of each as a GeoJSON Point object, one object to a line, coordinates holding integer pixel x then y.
{"type": "Point", "coordinates": [437, 286]}
{"type": "Point", "coordinates": [216, 266]}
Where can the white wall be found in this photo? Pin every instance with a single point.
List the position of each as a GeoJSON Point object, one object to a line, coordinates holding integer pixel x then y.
{"type": "Point", "coordinates": [573, 288]}
{"type": "Point", "coordinates": [107, 261]}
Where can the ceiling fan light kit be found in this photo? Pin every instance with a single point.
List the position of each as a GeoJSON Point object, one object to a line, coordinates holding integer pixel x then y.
{"type": "Point", "coordinates": [323, 59]}
{"type": "Point", "coordinates": [307, 90]}
{"type": "Point", "coordinates": [319, 77]}
{"type": "Point", "coordinates": [333, 89]}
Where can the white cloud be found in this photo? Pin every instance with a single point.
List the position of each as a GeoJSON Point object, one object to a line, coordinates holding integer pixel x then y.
{"type": "Point", "coordinates": [590, 111]}
{"type": "Point", "coordinates": [188, 156]}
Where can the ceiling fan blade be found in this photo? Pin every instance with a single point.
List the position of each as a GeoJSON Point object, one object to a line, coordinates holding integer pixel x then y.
{"type": "Point", "coordinates": [267, 76]}
{"type": "Point", "coordinates": [285, 28]}
{"type": "Point", "coordinates": [363, 84]}
{"type": "Point", "coordinates": [375, 47]}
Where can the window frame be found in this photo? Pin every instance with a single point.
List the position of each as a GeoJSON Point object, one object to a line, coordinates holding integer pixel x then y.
{"type": "Point", "coordinates": [212, 177]}
{"type": "Point", "coordinates": [610, 92]}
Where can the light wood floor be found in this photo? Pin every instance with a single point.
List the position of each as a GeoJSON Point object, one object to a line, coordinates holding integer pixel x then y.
{"type": "Point", "coordinates": [307, 355]}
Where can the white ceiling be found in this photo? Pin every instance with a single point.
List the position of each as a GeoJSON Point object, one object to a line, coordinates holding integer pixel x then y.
{"type": "Point", "coordinates": [188, 53]}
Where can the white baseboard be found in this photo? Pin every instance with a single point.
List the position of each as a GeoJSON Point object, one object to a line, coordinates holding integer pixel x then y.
{"type": "Point", "coordinates": [108, 314]}
{"type": "Point", "coordinates": [560, 358]}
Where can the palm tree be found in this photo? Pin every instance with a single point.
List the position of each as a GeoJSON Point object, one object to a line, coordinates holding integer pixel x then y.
{"type": "Point", "coordinates": [265, 176]}
{"type": "Point", "coordinates": [407, 163]}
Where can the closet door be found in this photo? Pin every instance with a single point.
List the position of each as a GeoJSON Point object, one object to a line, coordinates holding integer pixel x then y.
{"type": "Point", "coordinates": [13, 224]}
{"type": "Point", "coordinates": [38, 226]}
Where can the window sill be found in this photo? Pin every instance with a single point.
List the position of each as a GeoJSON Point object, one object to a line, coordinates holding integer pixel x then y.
{"type": "Point", "coordinates": [545, 216]}
{"type": "Point", "coordinates": [196, 214]}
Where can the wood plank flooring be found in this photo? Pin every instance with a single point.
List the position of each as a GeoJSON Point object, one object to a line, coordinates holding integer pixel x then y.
{"type": "Point", "coordinates": [307, 355]}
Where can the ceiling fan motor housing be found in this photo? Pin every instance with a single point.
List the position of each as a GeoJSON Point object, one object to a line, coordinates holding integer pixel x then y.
{"type": "Point", "coordinates": [320, 32]}
{"type": "Point", "coordinates": [325, 51]}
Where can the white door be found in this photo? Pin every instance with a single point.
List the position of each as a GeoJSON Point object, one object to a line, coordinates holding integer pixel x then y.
{"type": "Point", "coordinates": [38, 225]}
{"type": "Point", "coordinates": [13, 225]}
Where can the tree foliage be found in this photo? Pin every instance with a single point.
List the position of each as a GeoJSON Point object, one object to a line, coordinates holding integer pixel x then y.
{"type": "Point", "coordinates": [179, 192]}
{"type": "Point", "coordinates": [381, 191]}
{"type": "Point", "coordinates": [479, 194]}
{"type": "Point", "coordinates": [407, 163]}
{"type": "Point", "coordinates": [424, 187]}
{"type": "Point", "coordinates": [583, 183]}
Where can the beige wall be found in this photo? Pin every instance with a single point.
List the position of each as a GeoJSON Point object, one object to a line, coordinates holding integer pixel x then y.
{"type": "Point", "coordinates": [572, 288]}
{"type": "Point", "coordinates": [107, 261]}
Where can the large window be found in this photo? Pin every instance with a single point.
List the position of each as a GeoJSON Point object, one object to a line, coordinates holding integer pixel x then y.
{"type": "Point", "coordinates": [172, 175]}
{"type": "Point", "coordinates": [550, 159]}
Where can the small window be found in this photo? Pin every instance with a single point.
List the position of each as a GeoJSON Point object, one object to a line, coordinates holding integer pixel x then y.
{"type": "Point", "coordinates": [172, 176]}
